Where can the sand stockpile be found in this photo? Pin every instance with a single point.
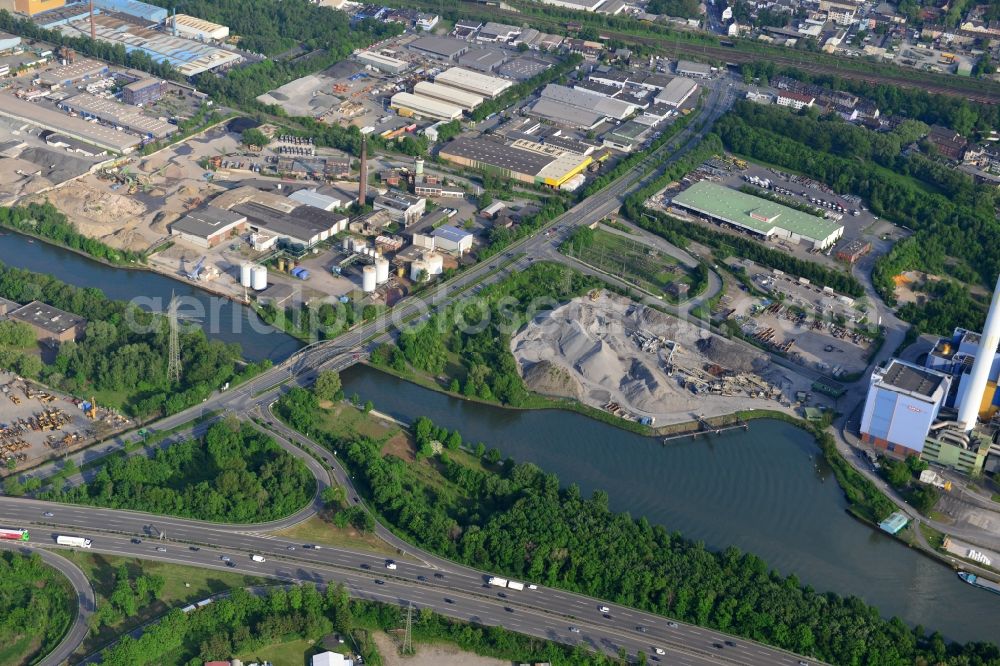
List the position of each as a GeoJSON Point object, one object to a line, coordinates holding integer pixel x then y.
{"type": "Point", "coordinates": [612, 350]}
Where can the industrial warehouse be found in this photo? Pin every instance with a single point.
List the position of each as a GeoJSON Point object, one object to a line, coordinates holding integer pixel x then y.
{"type": "Point", "coordinates": [522, 160]}
{"type": "Point", "coordinates": [473, 82]}
{"type": "Point", "coordinates": [759, 217]}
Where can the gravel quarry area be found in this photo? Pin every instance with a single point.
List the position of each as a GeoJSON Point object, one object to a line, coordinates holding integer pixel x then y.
{"type": "Point", "coordinates": [611, 353]}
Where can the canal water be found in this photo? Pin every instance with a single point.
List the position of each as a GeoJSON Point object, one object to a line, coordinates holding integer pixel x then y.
{"type": "Point", "coordinates": [765, 491]}
{"type": "Point", "coordinates": [221, 318]}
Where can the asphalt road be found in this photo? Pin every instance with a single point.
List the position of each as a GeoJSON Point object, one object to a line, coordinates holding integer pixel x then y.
{"type": "Point", "coordinates": [86, 603]}
{"type": "Point", "coordinates": [444, 586]}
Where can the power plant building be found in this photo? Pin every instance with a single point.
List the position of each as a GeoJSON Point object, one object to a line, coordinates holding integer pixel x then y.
{"type": "Point", "coordinates": [465, 100]}
{"type": "Point", "coordinates": [408, 104]}
{"type": "Point", "coordinates": [903, 403]}
{"type": "Point", "coordinates": [32, 7]}
{"type": "Point", "coordinates": [759, 217]}
{"type": "Point", "coordinates": [473, 82]}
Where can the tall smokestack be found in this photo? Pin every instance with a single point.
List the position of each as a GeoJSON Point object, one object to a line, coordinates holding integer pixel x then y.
{"type": "Point", "coordinates": [363, 181]}
{"type": "Point", "coordinates": [968, 412]}
{"type": "Point", "coordinates": [93, 31]}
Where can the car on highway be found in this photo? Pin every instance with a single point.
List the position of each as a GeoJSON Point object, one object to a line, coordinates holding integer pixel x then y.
{"type": "Point", "coordinates": [48, 514]}
{"type": "Point", "coordinates": [508, 609]}
{"type": "Point", "coordinates": [258, 558]}
{"type": "Point", "coordinates": [448, 601]}
{"type": "Point", "coordinates": [660, 650]}
{"type": "Point", "coordinates": [672, 625]}
{"type": "Point", "coordinates": [225, 558]}
{"type": "Point", "coordinates": [730, 644]}
{"type": "Point", "coordinates": [194, 548]}
{"type": "Point", "coordinates": [718, 646]}
{"type": "Point", "coordinates": [161, 549]}
{"type": "Point", "coordinates": [290, 548]}
{"type": "Point", "coordinates": [366, 566]}
{"type": "Point", "coordinates": [379, 582]}
{"type": "Point", "coordinates": [575, 630]}
{"type": "Point", "coordinates": [312, 546]}
{"type": "Point", "coordinates": [532, 587]}
{"type": "Point", "coordinates": [390, 565]}
{"type": "Point", "coordinates": [604, 609]}
{"type": "Point", "coordinates": [439, 575]}
{"type": "Point", "coordinates": [136, 540]}
{"type": "Point", "coordinates": [641, 628]}
{"type": "Point", "coordinates": [422, 579]}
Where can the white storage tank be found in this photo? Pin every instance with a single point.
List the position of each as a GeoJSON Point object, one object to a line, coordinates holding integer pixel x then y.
{"type": "Point", "coordinates": [381, 270]}
{"type": "Point", "coordinates": [416, 268]}
{"type": "Point", "coordinates": [347, 244]}
{"type": "Point", "coordinates": [435, 263]}
{"type": "Point", "coordinates": [246, 278]}
{"type": "Point", "coordinates": [258, 276]}
{"type": "Point", "coordinates": [368, 280]}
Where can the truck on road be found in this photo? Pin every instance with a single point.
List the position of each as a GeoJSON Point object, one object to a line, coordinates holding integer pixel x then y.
{"type": "Point", "coordinates": [514, 585]}
{"type": "Point", "coordinates": [78, 542]}
{"type": "Point", "coordinates": [14, 535]}
{"type": "Point", "coordinates": [497, 581]}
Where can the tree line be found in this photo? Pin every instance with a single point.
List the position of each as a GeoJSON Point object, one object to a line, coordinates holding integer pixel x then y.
{"type": "Point", "coordinates": [233, 474]}
{"type": "Point", "coordinates": [515, 519]}
{"type": "Point", "coordinates": [123, 351]}
{"type": "Point", "coordinates": [37, 606]}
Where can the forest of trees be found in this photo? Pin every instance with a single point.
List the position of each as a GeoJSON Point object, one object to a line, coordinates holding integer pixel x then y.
{"type": "Point", "coordinates": [244, 623]}
{"type": "Point", "coordinates": [234, 474]}
{"type": "Point", "coordinates": [515, 519]}
{"type": "Point", "coordinates": [37, 606]}
{"type": "Point", "coordinates": [124, 350]}
{"type": "Point", "coordinates": [489, 367]}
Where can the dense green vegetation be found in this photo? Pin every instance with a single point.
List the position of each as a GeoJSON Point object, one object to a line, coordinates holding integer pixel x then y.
{"type": "Point", "coordinates": [46, 221]}
{"type": "Point", "coordinates": [481, 336]}
{"type": "Point", "coordinates": [124, 351]}
{"type": "Point", "coordinates": [233, 474]}
{"type": "Point", "coordinates": [244, 623]}
{"type": "Point", "coordinates": [681, 8]}
{"type": "Point", "coordinates": [902, 475]}
{"type": "Point", "coordinates": [515, 519]}
{"type": "Point", "coordinates": [37, 606]}
{"type": "Point", "coordinates": [319, 321]}
{"type": "Point", "coordinates": [130, 593]}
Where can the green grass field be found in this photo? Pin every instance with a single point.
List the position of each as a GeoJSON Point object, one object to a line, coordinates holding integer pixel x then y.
{"type": "Point", "coordinates": [634, 262]}
{"type": "Point", "coordinates": [292, 653]}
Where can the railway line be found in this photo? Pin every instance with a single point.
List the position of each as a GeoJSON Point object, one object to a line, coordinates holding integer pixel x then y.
{"type": "Point", "coordinates": [983, 93]}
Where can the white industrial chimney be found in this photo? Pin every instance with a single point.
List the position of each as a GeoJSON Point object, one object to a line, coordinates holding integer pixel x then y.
{"type": "Point", "coordinates": [968, 412]}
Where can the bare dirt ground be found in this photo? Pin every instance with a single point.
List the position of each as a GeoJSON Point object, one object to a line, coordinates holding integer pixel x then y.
{"type": "Point", "coordinates": [431, 655]}
{"type": "Point", "coordinates": [612, 350]}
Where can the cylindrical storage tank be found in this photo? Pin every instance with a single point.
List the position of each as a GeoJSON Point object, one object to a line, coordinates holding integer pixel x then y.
{"type": "Point", "coordinates": [381, 270]}
{"type": "Point", "coordinates": [419, 166]}
{"type": "Point", "coordinates": [416, 268]}
{"type": "Point", "coordinates": [281, 264]}
{"type": "Point", "coordinates": [245, 275]}
{"type": "Point", "coordinates": [435, 263]}
{"type": "Point", "coordinates": [368, 280]}
{"type": "Point", "coordinates": [347, 244]}
{"type": "Point", "coordinates": [258, 276]}
{"type": "Point", "coordinates": [400, 272]}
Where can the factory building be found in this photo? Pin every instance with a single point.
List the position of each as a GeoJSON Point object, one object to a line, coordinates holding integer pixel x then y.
{"type": "Point", "coordinates": [582, 5]}
{"type": "Point", "coordinates": [408, 104]}
{"type": "Point", "coordinates": [32, 7]}
{"type": "Point", "coordinates": [450, 238]}
{"type": "Point", "coordinates": [196, 28]}
{"type": "Point", "coordinates": [51, 325]}
{"type": "Point", "coordinates": [304, 226]}
{"type": "Point", "coordinates": [75, 128]}
{"type": "Point", "coordinates": [140, 10]}
{"type": "Point", "coordinates": [67, 76]}
{"type": "Point", "coordinates": [142, 92]}
{"type": "Point", "coordinates": [187, 56]}
{"type": "Point", "coordinates": [693, 69]}
{"type": "Point", "coordinates": [315, 199]}
{"type": "Point", "coordinates": [758, 217]}
{"type": "Point", "coordinates": [208, 226]}
{"type": "Point", "coordinates": [483, 60]}
{"type": "Point", "coordinates": [523, 160]}
{"type": "Point", "coordinates": [676, 92]}
{"type": "Point", "coordinates": [442, 48]}
{"type": "Point", "coordinates": [8, 43]}
{"type": "Point", "coordinates": [383, 63]}
{"type": "Point", "coordinates": [465, 100]}
{"type": "Point", "coordinates": [473, 82]}
{"type": "Point", "coordinates": [587, 101]}
{"type": "Point", "coordinates": [119, 115]}
{"type": "Point", "coordinates": [401, 207]}
{"type": "Point", "coordinates": [568, 116]}
{"type": "Point", "coordinates": [903, 403]}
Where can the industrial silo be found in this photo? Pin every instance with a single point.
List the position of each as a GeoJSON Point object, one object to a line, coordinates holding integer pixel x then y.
{"type": "Point", "coordinates": [246, 279]}
{"type": "Point", "coordinates": [368, 280]}
{"type": "Point", "coordinates": [381, 270]}
{"type": "Point", "coordinates": [258, 275]}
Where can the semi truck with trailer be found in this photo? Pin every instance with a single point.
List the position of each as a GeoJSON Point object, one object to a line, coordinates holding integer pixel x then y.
{"type": "Point", "coordinates": [498, 581]}
{"type": "Point", "coordinates": [14, 535]}
{"type": "Point", "coordinates": [77, 542]}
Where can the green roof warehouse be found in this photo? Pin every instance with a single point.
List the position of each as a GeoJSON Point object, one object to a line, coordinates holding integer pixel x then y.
{"type": "Point", "coordinates": [757, 216]}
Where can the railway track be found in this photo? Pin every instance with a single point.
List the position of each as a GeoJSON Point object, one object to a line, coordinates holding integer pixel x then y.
{"type": "Point", "coordinates": [732, 55]}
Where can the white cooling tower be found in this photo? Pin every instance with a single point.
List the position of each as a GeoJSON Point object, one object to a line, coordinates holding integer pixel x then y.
{"type": "Point", "coordinates": [968, 411]}
{"type": "Point", "coordinates": [258, 278]}
{"type": "Point", "coordinates": [246, 279]}
{"type": "Point", "coordinates": [381, 270]}
{"type": "Point", "coordinates": [368, 280]}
